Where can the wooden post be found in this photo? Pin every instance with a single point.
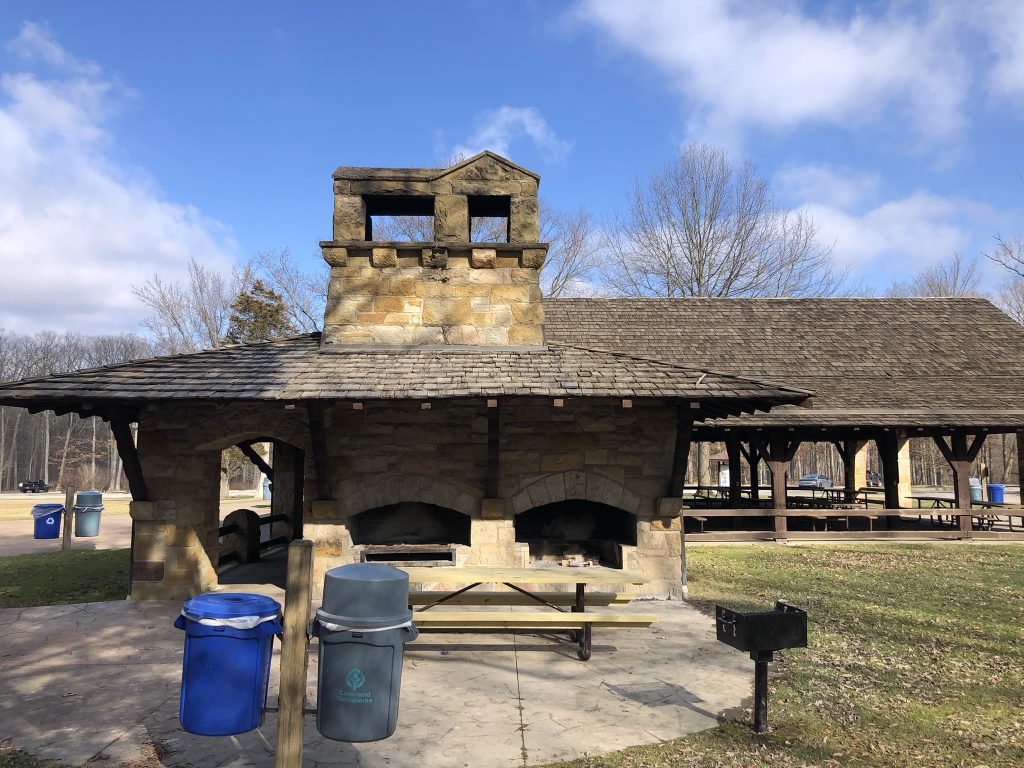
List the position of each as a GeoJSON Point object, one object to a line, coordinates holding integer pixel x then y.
{"type": "Point", "coordinates": [318, 439]}
{"type": "Point", "coordinates": [753, 457]}
{"type": "Point", "coordinates": [69, 503]}
{"type": "Point", "coordinates": [291, 697]}
{"type": "Point", "coordinates": [777, 464]}
{"type": "Point", "coordinates": [960, 456]}
{"type": "Point", "coordinates": [1020, 464]}
{"type": "Point", "coordinates": [732, 447]}
{"type": "Point", "coordinates": [493, 478]}
{"type": "Point", "coordinates": [888, 450]}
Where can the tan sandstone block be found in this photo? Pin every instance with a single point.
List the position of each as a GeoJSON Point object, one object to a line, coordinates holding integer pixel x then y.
{"type": "Point", "coordinates": [336, 257]}
{"type": "Point", "coordinates": [483, 258]}
{"type": "Point", "coordinates": [384, 257]}
{"type": "Point", "coordinates": [533, 258]}
{"type": "Point", "coordinates": [349, 217]}
{"type": "Point", "coordinates": [510, 294]}
{"type": "Point", "coordinates": [526, 336]}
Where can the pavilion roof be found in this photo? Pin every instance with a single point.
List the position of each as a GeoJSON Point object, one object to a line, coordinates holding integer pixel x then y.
{"type": "Point", "coordinates": [297, 369]}
{"type": "Point", "coordinates": [942, 362]}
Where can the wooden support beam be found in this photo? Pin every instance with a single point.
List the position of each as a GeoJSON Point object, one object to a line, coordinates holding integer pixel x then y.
{"type": "Point", "coordinates": [318, 440]}
{"type": "Point", "coordinates": [681, 452]}
{"type": "Point", "coordinates": [778, 449]}
{"type": "Point", "coordinates": [294, 655]}
{"type": "Point", "coordinates": [250, 453]}
{"type": "Point", "coordinates": [732, 447]}
{"type": "Point", "coordinates": [1020, 463]}
{"type": "Point", "coordinates": [129, 458]}
{"type": "Point", "coordinates": [888, 450]}
{"type": "Point", "coordinates": [493, 451]}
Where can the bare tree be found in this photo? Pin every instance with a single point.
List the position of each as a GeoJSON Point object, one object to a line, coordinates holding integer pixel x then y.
{"type": "Point", "coordinates": [1011, 299]}
{"type": "Point", "coordinates": [193, 315]}
{"type": "Point", "coordinates": [1009, 253]}
{"type": "Point", "coordinates": [573, 249]}
{"type": "Point", "coordinates": [706, 226]}
{"type": "Point", "coordinates": [304, 294]}
{"type": "Point", "coordinates": [956, 276]}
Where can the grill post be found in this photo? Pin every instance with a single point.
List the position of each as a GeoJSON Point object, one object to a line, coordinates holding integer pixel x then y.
{"type": "Point", "coordinates": [761, 660]}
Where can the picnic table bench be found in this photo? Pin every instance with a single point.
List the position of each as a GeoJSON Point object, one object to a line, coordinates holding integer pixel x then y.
{"type": "Point", "coordinates": [578, 620]}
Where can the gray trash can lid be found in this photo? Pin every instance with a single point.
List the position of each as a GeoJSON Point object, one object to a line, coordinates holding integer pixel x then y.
{"type": "Point", "coordinates": [365, 595]}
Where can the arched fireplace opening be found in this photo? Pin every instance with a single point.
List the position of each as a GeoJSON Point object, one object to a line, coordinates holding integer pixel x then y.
{"type": "Point", "coordinates": [409, 532]}
{"type": "Point", "coordinates": [577, 532]}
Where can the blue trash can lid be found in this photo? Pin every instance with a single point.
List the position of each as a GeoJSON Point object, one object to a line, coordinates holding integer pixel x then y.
{"type": "Point", "coordinates": [234, 605]}
{"type": "Point", "coordinates": [44, 510]}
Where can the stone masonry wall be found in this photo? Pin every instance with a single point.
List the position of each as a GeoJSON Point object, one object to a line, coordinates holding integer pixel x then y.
{"type": "Point", "coordinates": [409, 296]}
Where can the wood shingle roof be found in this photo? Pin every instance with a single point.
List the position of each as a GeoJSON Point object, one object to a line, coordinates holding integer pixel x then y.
{"type": "Point", "coordinates": [888, 362]}
{"type": "Point", "coordinates": [297, 369]}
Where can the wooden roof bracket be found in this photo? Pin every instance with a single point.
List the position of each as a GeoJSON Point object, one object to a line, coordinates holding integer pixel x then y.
{"type": "Point", "coordinates": [120, 425]}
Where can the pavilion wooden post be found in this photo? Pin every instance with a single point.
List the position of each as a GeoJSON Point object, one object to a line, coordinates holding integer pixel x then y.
{"type": "Point", "coordinates": [291, 698]}
{"type": "Point", "coordinates": [732, 447]}
{"type": "Point", "coordinates": [1020, 464]}
{"type": "Point", "coordinates": [677, 481]}
{"type": "Point", "coordinates": [778, 452]}
{"type": "Point", "coordinates": [69, 503]}
{"type": "Point", "coordinates": [753, 457]}
{"type": "Point", "coordinates": [888, 450]}
{"type": "Point", "coordinates": [960, 455]}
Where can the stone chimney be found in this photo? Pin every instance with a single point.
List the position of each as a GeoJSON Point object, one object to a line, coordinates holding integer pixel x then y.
{"type": "Point", "coordinates": [445, 291]}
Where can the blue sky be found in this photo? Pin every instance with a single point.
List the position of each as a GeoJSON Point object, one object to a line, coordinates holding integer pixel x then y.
{"type": "Point", "coordinates": [133, 135]}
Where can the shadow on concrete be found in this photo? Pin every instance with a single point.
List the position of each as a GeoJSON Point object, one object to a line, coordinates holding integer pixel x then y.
{"type": "Point", "coordinates": [659, 693]}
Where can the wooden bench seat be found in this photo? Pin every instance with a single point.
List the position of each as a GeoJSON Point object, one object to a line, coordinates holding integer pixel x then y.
{"type": "Point", "coordinates": [479, 597]}
{"type": "Point", "coordinates": [541, 620]}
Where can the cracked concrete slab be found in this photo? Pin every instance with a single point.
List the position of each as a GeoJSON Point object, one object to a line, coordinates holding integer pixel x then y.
{"type": "Point", "coordinates": [102, 680]}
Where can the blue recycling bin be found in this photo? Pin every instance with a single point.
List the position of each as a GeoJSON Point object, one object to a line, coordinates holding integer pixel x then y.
{"type": "Point", "coordinates": [47, 520]}
{"type": "Point", "coordinates": [996, 493]}
{"type": "Point", "coordinates": [224, 675]}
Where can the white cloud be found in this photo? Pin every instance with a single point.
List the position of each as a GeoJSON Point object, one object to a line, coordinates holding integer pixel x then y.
{"type": "Point", "coordinates": [1003, 22]}
{"type": "Point", "coordinates": [498, 129]}
{"type": "Point", "coordinates": [76, 229]}
{"type": "Point", "coordinates": [842, 187]}
{"type": "Point", "coordinates": [743, 66]}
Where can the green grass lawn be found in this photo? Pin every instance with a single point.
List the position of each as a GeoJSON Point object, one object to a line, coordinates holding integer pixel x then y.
{"type": "Point", "coordinates": [916, 658]}
{"type": "Point", "coordinates": [60, 578]}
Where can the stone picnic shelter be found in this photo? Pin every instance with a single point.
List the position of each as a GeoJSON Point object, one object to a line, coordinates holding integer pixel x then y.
{"type": "Point", "coordinates": [448, 414]}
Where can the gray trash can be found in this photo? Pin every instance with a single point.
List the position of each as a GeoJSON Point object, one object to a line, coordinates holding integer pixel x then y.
{"type": "Point", "coordinates": [363, 626]}
{"type": "Point", "coordinates": [88, 507]}
{"type": "Point", "coordinates": [975, 484]}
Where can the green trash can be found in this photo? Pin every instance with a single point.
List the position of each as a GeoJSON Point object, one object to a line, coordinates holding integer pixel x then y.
{"type": "Point", "coordinates": [88, 507]}
{"type": "Point", "coordinates": [363, 626]}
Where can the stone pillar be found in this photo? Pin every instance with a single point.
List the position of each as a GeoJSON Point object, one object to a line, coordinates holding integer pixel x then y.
{"type": "Point", "coordinates": [286, 498]}
{"type": "Point", "coordinates": [451, 218]}
{"type": "Point", "coordinates": [493, 542]}
{"type": "Point", "coordinates": [524, 220]}
{"type": "Point", "coordinates": [904, 485]}
{"type": "Point", "coordinates": [349, 217]}
{"type": "Point", "coordinates": [860, 465]}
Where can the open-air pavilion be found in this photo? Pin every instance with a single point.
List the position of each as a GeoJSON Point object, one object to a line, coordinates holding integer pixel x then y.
{"type": "Point", "coordinates": [448, 414]}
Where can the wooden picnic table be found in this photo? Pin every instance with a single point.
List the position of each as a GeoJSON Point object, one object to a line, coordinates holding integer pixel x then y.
{"type": "Point", "coordinates": [523, 582]}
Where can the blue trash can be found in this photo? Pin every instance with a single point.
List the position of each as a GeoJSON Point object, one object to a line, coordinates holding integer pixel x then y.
{"type": "Point", "coordinates": [47, 520]}
{"type": "Point", "coordinates": [996, 493]}
{"type": "Point", "coordinates": [224, 675]}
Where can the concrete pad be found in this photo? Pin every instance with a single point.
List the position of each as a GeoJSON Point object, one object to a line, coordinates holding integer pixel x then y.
{"type": "Point", "coordinates": [102, 681]}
